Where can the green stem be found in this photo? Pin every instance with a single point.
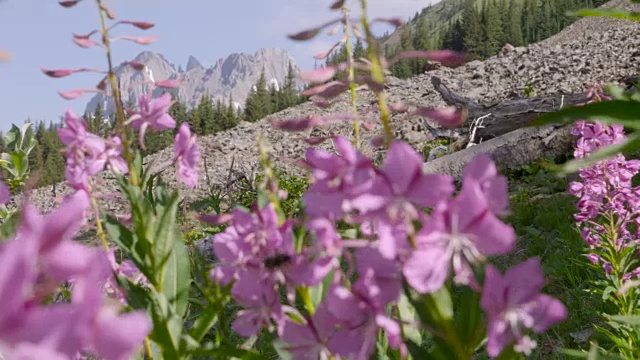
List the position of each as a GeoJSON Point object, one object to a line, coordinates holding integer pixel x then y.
{"type": "Point", "coordinates": [120, 115]}
{"type": "Point", "coordinates": [270, 176]}
{"type": "Point", "coordinates": [303, 292]}
{"type": "Point", "coordinates": [99, 229]}
{"type": "Point", "coordinates": [377, 73]}
{"type": "Point", "coordinates": [352, 83]}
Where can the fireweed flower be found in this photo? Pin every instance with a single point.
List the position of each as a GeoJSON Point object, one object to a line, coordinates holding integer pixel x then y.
{"type": "Point", "coordinates": [484, 171]}
{"type": "Point", "coordinates": [18, 260]}
{"type": "Point", "coordinates": [77, 137]}
{"type": "Point", "coordinates": [262, 307]}
{"type": "Point", "coordinates": [401, 188]}
{"type": "Point", "coordinates": [87, 154]}
{"type": "Point", "coordinates": [325, 236]}
{"type": "Point", "coordinates": [336, 179]}
{"type": "Point", "coordinates": [605, 192]}
{"type": "Point", "coordinates": [459, 233]}
{"type": "Point", "coordinates": [255, 244]}
{"type": "Point", "coordinates": [152, 113]}
{"type": "Point", "coordinates": [399, 193]}
{"type": "Point", "coordinates": [127, 269]}
{"type": "Point", "coordinates": [360, 312]}
{"type": "Point", "coordinates": [112, 155]}
{"type": "Point", "coordinates": [255, 250]}
{"type": "Point", "coordinates": [104, 330]}
{"type": "Point", "coordinates": [60, 257]}
{"type": "Point", "coordinates": [514, 305]}
{"type": "Point", "coordinates": [187, 156]}
{"type": "Point", "coordinates": [82, 151]}
{"type": "Point", "coordinates": [348, 321]}
{"type": "Point", "coordinates": [43, 254]}
{"type": "Point", "coordinates": [309, 341]}
{"type": "Point", "coordinates": [594, 136]}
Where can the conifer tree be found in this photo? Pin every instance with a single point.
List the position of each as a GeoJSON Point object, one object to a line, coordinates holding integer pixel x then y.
{"type": "Point", "coordinates": [404, 69]}
{"type": "Point", "coordinates": [289, 91]}
{"type": "Point", "coordinates": [179, 112]}
{"type": "Point", "coordinates": [194, 122]}
{"type": "Point", "coordinates": [206, 115]}
{"type": "Point", "coordinates": [358, 50]}
{"type": "Point", "coordinates": [454, 37]}
{"type": "Point", "coordinates": [275, 97]}
{"type": "Point", "coordinates": [492, 28]}
{"type": "Point", "coordinates": [251, 111]}
{"type": "Point", "coordinates": [472, 29]}
{"type": "Point", "coordinates": [505, 20]}
{"type": "Point", "coordinates": [263, 98]}
{"type": "Point", "coordinates": [515, 24]}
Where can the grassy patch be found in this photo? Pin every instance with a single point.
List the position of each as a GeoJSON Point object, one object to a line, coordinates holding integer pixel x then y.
{"type": "Point", "coordinates": [542, 215]}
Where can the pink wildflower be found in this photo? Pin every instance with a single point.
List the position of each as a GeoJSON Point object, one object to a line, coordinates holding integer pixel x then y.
{"type": "Point", "coordinates": [187, 156]}
{"type": "Point", "coordinates": [336, 179]}
{"type": "Point", "coordinates": [152, 113]}
{"type": "Point", "coordinates": [514, 305]}
{"type": "Point", "coordinates": [459, 233]}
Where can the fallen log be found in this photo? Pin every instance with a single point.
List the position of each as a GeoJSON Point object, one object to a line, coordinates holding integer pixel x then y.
{"type": "Point", "coordinates": [502, 118]}
{"type": "Point", "coordinates": [517, 148]}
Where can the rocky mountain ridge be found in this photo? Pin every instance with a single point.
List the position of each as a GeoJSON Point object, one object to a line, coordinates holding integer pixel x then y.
{"type": "Point", "coordinates": [592, 49]}
{"type": "Point", "coordinates": [229, 79]}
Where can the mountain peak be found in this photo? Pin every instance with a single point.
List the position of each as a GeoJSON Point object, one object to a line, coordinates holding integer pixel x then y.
{"type": "Point", "coordinates": [231, 76]}
{"type": "Point", "coordinates": [193, 63]}
{"type": "Point", "coordinates": [146, 56]}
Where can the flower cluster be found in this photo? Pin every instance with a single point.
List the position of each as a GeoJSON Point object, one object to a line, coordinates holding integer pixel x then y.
{"type": "Point", "coordinates": [606, 195]}
{"type": "Point", "coordinates": [34, 263]}
{"type": "Point", "coordinates": [412, 228]}
{"type": "Point", "coordinates": [88, 154]}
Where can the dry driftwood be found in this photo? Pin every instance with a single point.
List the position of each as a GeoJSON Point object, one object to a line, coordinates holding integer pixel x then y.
{"type": "Point", "coordinates": [502, 118]}
{"type": "Point", "coordinates": [512, 150]}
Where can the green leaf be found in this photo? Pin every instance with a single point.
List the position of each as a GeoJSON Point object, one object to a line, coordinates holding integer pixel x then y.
{"type": "Point", "coordinates": [408, 315]}
{"type": "Point", "coordinates": [225, 352]}
{"type": "Point", "coordinates": [417, 352]}
{"type": "Point", "coordinates": [631, 144]}
{"type": "Point", "coordinates": [167, 326]}
{"type": "Point", "coordinates": [469, 318]}
{"type": "Point", "coordinates": [206, 319]}
{"type": "Point", "coordinates": [16, 160]}
{"type": "Point", "coordinates": [9, 226]}
{"type": "Point", "coordinates": [592, 354]}
{"type": "Point", "coordinates": [319, 292]}
{"type": "Point", "coordinates": [11, 137]}
{"type": "Point", "coordinates": [349, 233]}
{"type": "Point", "coordinates": [509, 354]}
{"type": "Point", "coordinates": [621, 112]}
{"type": "Point", "coordinates": [177, 278]}
{"type": "Point", "coordinates": [137, 296]}
{"type": "Point", "coordinates": [280, 347]}
{"type": "Point", "coordinates": [436, 311]}
{"type": "Point", "coordinates": [263, 198]}
{"type": "Point", "coordinates": [136, 250]}
{"type": "Point", "coordinates": [163, 227]}
{"type": "Point", "coordinates": [629, 320]}
{"type": "Point", "coordinates": [612, 13]}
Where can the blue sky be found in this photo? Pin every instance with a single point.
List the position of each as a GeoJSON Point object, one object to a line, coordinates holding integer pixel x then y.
{"type": "Point", "coordinates": [37, 33]}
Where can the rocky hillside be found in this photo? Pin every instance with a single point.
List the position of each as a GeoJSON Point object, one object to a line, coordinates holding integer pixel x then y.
{"type": "Point", "coordinates": [229, 78]}
{"type": "Point", "coordinates": [593, 49]}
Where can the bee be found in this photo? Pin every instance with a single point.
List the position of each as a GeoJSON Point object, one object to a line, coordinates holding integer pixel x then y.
{"type": "Point", "coordinates": [276, 261]}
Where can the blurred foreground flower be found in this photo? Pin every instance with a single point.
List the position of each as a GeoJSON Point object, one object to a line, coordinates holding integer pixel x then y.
{"type": "Point", "coordinates": [4, 55]}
